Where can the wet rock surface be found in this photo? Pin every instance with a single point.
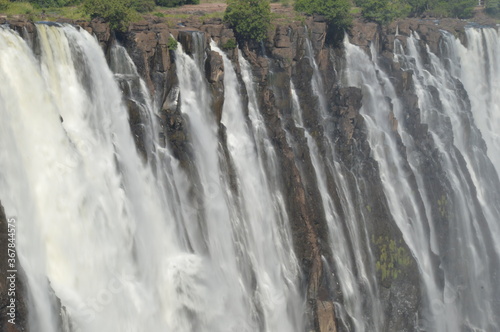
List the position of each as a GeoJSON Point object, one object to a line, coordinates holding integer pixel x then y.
{"type": "Point", "coordinates": [281, 60]}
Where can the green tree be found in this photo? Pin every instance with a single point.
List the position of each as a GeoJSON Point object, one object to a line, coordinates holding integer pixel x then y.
{"type": "Point", "coordinates": [418, 6]}
{"type": "Point", "coordinates": [4, 4]}
{"type": "Point", "coordinates": [249, 18]}
{"type": "Point", "coordinates": [118, 13]}
{"type": "Point", "coordinates": [454, 8]}
{"type": "Point", "coordinates": [493, 7]}
{"type": "Point", "coordinates": [53, 3]}
{"type": "Point", "coordinates": [384, 11]}
{"type": "Point", "coordinates": [143, 6]}
{"type": "Point", "coordinates": [335, 11]}
{"type": "Point", "coordinates": [175, 3]}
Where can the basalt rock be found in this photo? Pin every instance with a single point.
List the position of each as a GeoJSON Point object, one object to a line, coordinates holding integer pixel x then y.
{"type": "Point", "coordinates": [214, 71]}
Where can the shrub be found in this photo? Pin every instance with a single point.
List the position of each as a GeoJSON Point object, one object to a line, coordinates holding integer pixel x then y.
{"type": "Point", "coordinates": [175, 3]}
{"type": "Point", "coordinates": [384, 11]}
{"type": "Point", "coordinates": [118, 13]}
{"type": "Point", "coordinates": [249, 18]}
{"type": "Point", "coordinates": [493, 7]}
{"type": "Point", "coordinates": [335, 11]}
{"type": "Point", "coordinates": [456, 8]}
{"type": "Point", "coordinates": [4, 4]}
{"type": "Point", "coordinates": [418, 6]}
{"type": "Point", "coordinates": [172, 43]}
{"type": "Point", "coordinates": [230, 45]}
{"type": "Point", "coordinates": [143, 6]}
{"type": "Point", "coordinates": [51, 3]}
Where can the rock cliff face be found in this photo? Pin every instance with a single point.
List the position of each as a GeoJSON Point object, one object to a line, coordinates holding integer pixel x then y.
{"type": "Point", "coordinates": [341, 140]}
{"type": "Point", "coordinates": [284, 60]}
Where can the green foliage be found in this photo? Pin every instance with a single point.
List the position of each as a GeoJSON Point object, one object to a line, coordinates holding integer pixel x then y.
{"type": "Point", "coordinates": [384, 11]}
{"type": "Point", "coordinates": [54, 3]}
{"type": "Point", "coordinates": [335, 11]}
{"type": "Point", "coordinates": [249, 18]}
{"type": "Point", "coordinates": [4, 4]}
{"type": "Point", "coordinates": [392, 257]}
{"type": "Point", "coordinates": [417, 7]}
{"type": "Point", "coordinates": [143, 6]}
{"type": "Point", "coordinates": [493, 7]}
{"type": "Point", "coordinates": [442, 206]}
{"type": "Point", "coordinates": [118, 13]}
{"type": "Point", "coordinates": [456, 8]}
{"type": "Point", "coordinates": [35, 12]}
{"type": "Point", "coordinates": [230, 45]}
{"type": "Point", "coordinates": [172, 43]}
{"type": "Point", "coordinates": [176, 3]}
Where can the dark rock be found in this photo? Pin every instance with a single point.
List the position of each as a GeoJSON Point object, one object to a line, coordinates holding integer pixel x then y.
{"type": "Point", "coordinates": [18, 293]}
{"type": "Point", "coordinates": [214, 71]}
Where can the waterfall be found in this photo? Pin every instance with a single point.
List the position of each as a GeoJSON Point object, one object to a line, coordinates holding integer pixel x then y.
{"type": "Point", "coordinates": [119, 239]}
{"type": "Point", "coordinates": [118, 230]}
{"type": "Point", "coordinates": [262, 211]}
{"type": "Point", "coordinates": [460, 291]}
{"type": "Point", "coordinates": [479, 68]}
{"type": "Point", "coordinates": [360, 304]}
{"type": "Point", "coordinates": [71, 139]}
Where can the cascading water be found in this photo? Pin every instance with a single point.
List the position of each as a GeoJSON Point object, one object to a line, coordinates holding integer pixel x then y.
{"type": "Point", "coordinates": [360, 301]}
{"type": "Point", "coordinates": [479, 72]}
{"type": "Point", "coordinates": [85, 184]}
{"type": "Point", "coordinates": [116, 234]}
{"type": "Point", "coordinates": [475, 261]}
{"type": "Point", "coordinates": [276, 291]}
{"type": "Point", "coordinates": [466, 298]}
{"type": "Point", "coordinates": [119, 240]}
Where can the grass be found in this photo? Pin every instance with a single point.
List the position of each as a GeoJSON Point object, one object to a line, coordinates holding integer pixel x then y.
{"type": "Point", "coordinates": [46, 14]}
{"type": "Point", "coordinates": [208, 16]}
{"type": "Point", "coordinates": [18, 8]}
{"type": "Point", "coordinates": [74, 13]}
{"type": "Point", "coordinates": [166, 14]}
{"type": "Point", "coordinates": [355, 10]}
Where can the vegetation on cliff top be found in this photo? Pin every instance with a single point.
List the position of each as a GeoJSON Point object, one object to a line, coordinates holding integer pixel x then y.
{"type": "Point", "coordinates": [4, 4]}
{"type": "Point", "coordinates": [249, 18]}
{"type": "Point", "coordinates": [385, 11]}
{"type": "Point", "coordinates": [175, 3]}
{"type": "Point", "coordinates": [336, 12]}
{"type": "Point", "coordinates": [493, 7]}
{"type": "Point", "coordinates": [119, 13]}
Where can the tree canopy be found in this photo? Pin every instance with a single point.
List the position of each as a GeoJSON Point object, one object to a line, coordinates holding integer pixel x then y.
{"type": "Point", "coordinates": [335, 11]}
{"type": "Point", "coordinates": [249, 18]}
{"type": "Point", "coordinates": [117, 12]}
{"type": "Point", "coordinates": [493, 7]}
{"type": "Point", "coordinates": [4, 4]}
{"type": "Point", "coordinates": [175, 3]}
{"type": "Point", "coordinates": [454, 8]}
{"type": "Point", "coordinates": [385, 11]}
